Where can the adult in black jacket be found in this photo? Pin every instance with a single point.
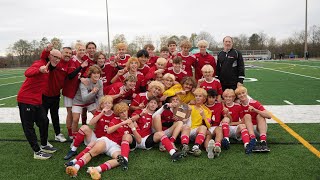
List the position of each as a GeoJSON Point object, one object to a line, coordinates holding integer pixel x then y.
{"type": "Point", "coordinates": [230, 66]}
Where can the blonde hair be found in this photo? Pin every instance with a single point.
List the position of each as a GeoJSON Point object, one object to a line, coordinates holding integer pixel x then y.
{"type": "Point", "coordinates": [186, 44]}
{"type": "Point", "coordinates": [120, 107]}
{"type": "Point", "coordinates": [161, 61]}
{"type": "Point", "coordinates": [200, 91]}
{"type": "Point", "coordinates": [132, 59]}
{"type": "Point", "coordinates": [203, 43]}
{"type": "Point", "coordinates": [121, 46]}
{"type": "Point", "coordinates": [207, 67]}
{"type": "Point", "coordinates": [105, 99]}
{"type": "Point", "coordinates": [168, 75]}
{"type": "Point", "coordinates": [156, 84]}
{"type": "Point", "coordinates": [241, 89]}
{"type": "Point", "coordinates": [228, 92]}
{"type": "Point", "coordinates": [78, 45]}
{"type": "Point", "coordinates": [94, 69]}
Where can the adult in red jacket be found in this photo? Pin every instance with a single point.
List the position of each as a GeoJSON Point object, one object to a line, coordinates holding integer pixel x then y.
{"type": "Point", "coordinates": [30, 104]}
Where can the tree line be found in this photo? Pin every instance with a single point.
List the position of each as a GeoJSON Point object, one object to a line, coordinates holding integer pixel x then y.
{"type": "Point", "coordinates": [24, 52]}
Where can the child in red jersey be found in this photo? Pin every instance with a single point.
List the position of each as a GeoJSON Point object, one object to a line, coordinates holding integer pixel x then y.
{"type": "Point", "coordinates": [188, 59]}
{"type": "Point", "coordinates": [157, 70]}
{"type": "Point", "coordinates": [143, 57]}
{"type": "Point", "coordinates": [213, 147]}
{"type": "Point", "coordinates": [209, 81]}
{"type": "Point", "coordinates": [152, 57]}
{"type": "Point", "coordinates": [121, 58]}
{"type": "Point", "coordinates": [177, 70]}
{"type": "Point", "coordinates": [255, 118]}
{"type": "Point", "coordinates": [233, 126]}
{"type": "Point", "coordinates": [100, 120]}
{"type": "Point", "coordinates": [109, 145]}
{"type": "Point", "coordinates": [123, 91]}
{"type": "Point", "coordinates": [203, 58]}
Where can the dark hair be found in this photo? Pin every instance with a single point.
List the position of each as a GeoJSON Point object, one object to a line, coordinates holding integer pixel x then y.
{"type": "Point", "coordinates": [148, 46]}
{"type": "Point", "coordinates": [212, 93]}
{"type": "Point", "coordinates": [177, 60]}
{"type": "Point", "coordinates": [142, 53]}
{"type": "Point", "coordinates": [164, 49]}
{"type": "Point", "coordinates": [91, 42]}
{"type": "Point", "coordinates": [154, 98]}
{"type": "Point", "coordinates": [226, 37]}
{"type": "Point", "coordinates": [171, 42]}
{"type": "Point", "coordinates": [188, 78]}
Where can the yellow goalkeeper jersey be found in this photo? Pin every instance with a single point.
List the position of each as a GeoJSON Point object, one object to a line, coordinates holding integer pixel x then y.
{"type": "Point", "coordinates": [196, 118]}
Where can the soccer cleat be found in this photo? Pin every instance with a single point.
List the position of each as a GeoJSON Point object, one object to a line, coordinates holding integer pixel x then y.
{"type": "Point", "coordinates": [210, 149]}
{"type": "Point", "coordinates": [94, 173]}
{"type": "Point", "coordinates": [176, 156]}
{"type": "Point", "coordinates": [196, 151]}
{"type": "Point", "coordinates": [41, 155]}
{"type": "Point", "coordinates": [185, 149]}
{"type": "Point", "coordinates": [69, 163]}
{"type": "Point", "coordinates": [225, 143]}
{"type": "Point", "coordinates": [250, 146]}
{"type": "Point", "coordinates": [60, 138]}
{"type": "Point", "coordinates": [71, 171]}
{"type": "Point", "coordinates": [257, 147]}
{"type": "Point", "coordinates": [264, 147]}
{"type": "Point", "coordinates": [123, 162]}
{"type": "Point", "coordinates": [70, 154]}
{"type": "Point", "coordinates": [48, 149]}
{"type": "Point", "coordinates": [217, 151]}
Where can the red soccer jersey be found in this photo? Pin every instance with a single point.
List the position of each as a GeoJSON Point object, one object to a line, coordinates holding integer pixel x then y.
{"type": "Point", "coordinates": [108, 72]}
{"type": "Point", "coordinates": [140, 98]}
{"type": "Point", "coordinates": [144, 123]}
{"type": "Point", "coordinates": [166, 116]}
{"type": "Point", "coordinates": [139, 83]}
{"type": "Point", "coordinates": [187, 63]}
{"type": "Point", "coordinates": [32, 89]}
{"type": "Point", "coordinates": [71, 86]}
{"type": "Point", "coordinates": [122, 61]}
{"type": "Point", "coordinates": [56, 79]}
{"type": "Point", "coordinates": [236, 112]}
{"type": "Point", "coordinates": [214, 84]}
{"type": "Point", "coordinates": [144, 70]}
{"type": "Point", "coordinates": [116, 88]}
{"type": "Point", "coordinates": [116, 136]}
{"type": "Point", "coordinates": [216, 110]}
{"type": "Point", "coordinates": [256, 105]}
{"type": "Point", "coordinates": [152, 61]}
{"type": "Point", "coordinates": [203, 60]}
{"type": "Point", "coordinates": [102, 124]}
{"type": "Point", "coordinates": [178, 75]}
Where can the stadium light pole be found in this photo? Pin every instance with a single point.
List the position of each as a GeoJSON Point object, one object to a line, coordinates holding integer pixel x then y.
{"type": "Point", "coordinates": [306, 32]}
{"type": "Point", "coordinates": [107, 11]}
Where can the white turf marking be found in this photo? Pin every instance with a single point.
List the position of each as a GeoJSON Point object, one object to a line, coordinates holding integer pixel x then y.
{"type": "Point", "coordinates": [8, 97]}
{"type": "Point", "coordinates": [300, 65]}
{"type": "Point", "coordinates": [11, 77]}
{"type": "Point", "coordinates": [290, 73]}
{"type": "Point", "coordinates": [11, 83]}
{"type": "Point", "coordinates": [2, 104]}
{"type": "Point", "coordinates": [318, 100]}
{"type": "Point", "coordinates": [288, 102]}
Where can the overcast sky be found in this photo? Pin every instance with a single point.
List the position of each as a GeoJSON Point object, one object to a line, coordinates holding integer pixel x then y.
{"type": "Point", "coordinates": [86, 19]}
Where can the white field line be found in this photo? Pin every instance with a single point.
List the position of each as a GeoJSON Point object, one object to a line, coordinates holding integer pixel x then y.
{"type": "Point", "coordinates": [11, 74]}
{"type": "Point", "coordinates": [11, 83]}
{"type": "Point", "coordinates": [296, 64]}
{"type": "Point", "coordinates": [288, 102]}
{"type": "Point", "coordinates": [289, 73]}
{"type": "Point", "coordinates": [11, 77]}
{"type": "Point", "coordinates": [2, 104]}
{"type": "Point", "coordinates": [8, 97]}
{"type": "Point", "coordinates": [318, 100]}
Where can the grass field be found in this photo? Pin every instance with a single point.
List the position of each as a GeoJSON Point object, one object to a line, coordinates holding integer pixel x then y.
{"type": "Point", "coordinates": [295, 81]}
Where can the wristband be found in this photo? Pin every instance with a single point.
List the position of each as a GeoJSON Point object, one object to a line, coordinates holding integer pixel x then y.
{"type": "Point", "coordinates": [133, 129]}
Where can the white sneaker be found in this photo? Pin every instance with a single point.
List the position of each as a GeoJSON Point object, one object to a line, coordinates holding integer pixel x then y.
{"type": "Point", "coordinates": [60, 137]}
{"type": "Point", "coordinates": [210, 149]}
{"type": "Point", "coordinates": [50, 145]}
